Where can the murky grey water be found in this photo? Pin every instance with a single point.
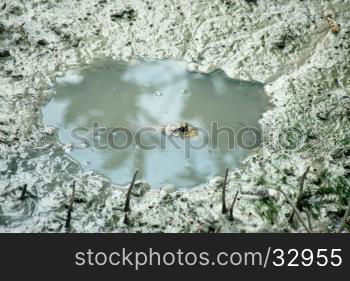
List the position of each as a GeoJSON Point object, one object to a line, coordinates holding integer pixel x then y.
{"type": "Point", "coordinates": [134, 102]}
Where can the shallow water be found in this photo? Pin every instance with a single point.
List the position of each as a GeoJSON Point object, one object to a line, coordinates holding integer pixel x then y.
{"type": "Point", "coordinates": [111, 118]}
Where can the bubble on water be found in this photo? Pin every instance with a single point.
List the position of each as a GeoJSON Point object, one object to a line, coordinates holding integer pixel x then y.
{"type": "Point", "coordinates": [184, 92]}
{"type": "Point", "coordinates": [83, 145]}
{"type": "Point", "coordinates": [158, 93]}
{"type": "Point", "coordinates": [70, 77]}
{"type": "Point", "coordinates": [68, 148]}
{"type": "Point", "coordinates": [50, 130]}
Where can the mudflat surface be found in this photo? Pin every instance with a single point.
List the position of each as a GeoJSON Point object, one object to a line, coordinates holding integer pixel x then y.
{"type": "Point", "coordinates": [288, 45]}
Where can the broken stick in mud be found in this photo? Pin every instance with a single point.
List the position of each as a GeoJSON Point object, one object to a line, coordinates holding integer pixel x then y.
{"type": "Point", "coordinates": [223, 198]}
{"type": "Point", "coordinates": [128, 194]}
{"type": "Point", "coordinates": [297, 212]}
{"type": "Point", "coordinates": [23, 193]}
{"type": "Point", "coordinates": [345, 218]}
{"type": "Point", "coordinates": [70, 209]}
{"type": "Point", "coordinates": [301, 193]}
{"type": "Point", "coordinates": [232, 205]}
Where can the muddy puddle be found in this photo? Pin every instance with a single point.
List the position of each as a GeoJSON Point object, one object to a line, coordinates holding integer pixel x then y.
{"type": "Point", "coordinates": [175, 126]}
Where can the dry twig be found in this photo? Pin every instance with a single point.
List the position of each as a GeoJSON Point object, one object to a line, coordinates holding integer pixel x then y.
{"type": "Point", "coordinates": [24, 193]}
{"type": "Point", "coordinates": [301, 193]}
{"type": "Point", "coordinates": [232, 205]}
{"type": "Point", "coordinates": [223, 197]}
{"type": "Point", "coordinates": [309, 219]}
{"type": "Point", "coordinates": [128, 194]}
{"type": "Point", "coordinates": [297, 212]}
{"type": "Point", "coordinates": [70, 208]}
{"type": "Point", "coordinates": [345, 218]}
